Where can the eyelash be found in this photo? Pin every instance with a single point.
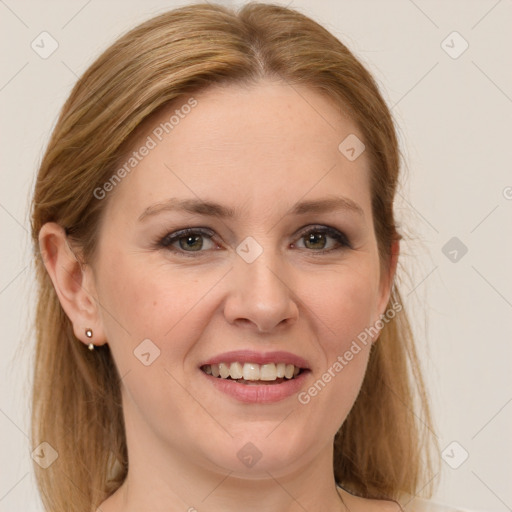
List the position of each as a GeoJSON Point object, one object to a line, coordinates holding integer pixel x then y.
{"type": "Point", "coordinates": [167, 240]}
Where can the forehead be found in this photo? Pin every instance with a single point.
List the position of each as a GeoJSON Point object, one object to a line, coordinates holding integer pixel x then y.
{"type": "Point", "coordinates": [267, 141]}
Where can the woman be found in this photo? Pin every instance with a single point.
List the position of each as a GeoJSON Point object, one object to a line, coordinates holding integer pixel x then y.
{"type": "Point", "coordinates": [218, 324]}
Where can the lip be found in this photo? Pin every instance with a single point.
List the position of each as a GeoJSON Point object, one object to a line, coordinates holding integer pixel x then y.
{"type": "Point", "coordinates": [259, 393]}
{"type": "Point", "coordinates": [251, 356]}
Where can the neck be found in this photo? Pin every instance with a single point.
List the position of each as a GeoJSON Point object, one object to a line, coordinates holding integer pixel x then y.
{"type": "Point", "coordinates": [164, 480]}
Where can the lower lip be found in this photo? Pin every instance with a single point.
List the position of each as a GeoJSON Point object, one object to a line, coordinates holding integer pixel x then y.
{"type": "Point", "coordinates": [262, 393]}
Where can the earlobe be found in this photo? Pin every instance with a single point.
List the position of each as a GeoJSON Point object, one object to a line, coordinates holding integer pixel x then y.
{"type": "Point", "coordinates": [72, 281]}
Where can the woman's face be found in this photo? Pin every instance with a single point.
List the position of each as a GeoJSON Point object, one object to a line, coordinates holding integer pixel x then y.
{"type": "Point", "coordinates": [282, 257]}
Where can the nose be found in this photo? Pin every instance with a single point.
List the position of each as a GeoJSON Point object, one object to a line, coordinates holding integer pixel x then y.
{"type": "Point", "coordinates": [260, 295]}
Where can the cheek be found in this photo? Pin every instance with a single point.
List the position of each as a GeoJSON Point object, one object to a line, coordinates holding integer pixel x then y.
{"type": "Point", "coordinates": [166, 304]}
{"type": "Point", "coordinates": [345, 311]}
{"type": "Point", "coordinates": [340, 310]}
{"type": "Point", "coordinates": [346, 305]}
{"type": "Point", "coordinates": [151, 301]}
{"type": "Point", "coordinates": [149, 317]}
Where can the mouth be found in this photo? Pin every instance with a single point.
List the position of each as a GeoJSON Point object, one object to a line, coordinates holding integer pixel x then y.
{"type": "Point", "coordinates": [253, 374]}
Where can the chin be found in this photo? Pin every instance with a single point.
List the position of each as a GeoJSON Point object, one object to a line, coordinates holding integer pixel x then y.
{"type": "Point", "coordinates": [257, 456]}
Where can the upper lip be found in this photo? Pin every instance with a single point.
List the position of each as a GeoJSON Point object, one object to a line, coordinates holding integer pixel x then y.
{"type": "Point", "coordinates": [251, 356]}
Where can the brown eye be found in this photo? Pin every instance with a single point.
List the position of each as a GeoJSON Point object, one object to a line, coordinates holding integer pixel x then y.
{"type": "Point", "coordinates": [317, 239]}
{"type": "Point", "coordinates": [187, 240]}
{"type": "Point", "coordinates": [193, 242]}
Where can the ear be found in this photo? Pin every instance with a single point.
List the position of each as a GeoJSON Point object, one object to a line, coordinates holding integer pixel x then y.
{"type": "Point", "coordinates": [386, 283]}
{"type": "Point", "coordinates": [73, 282]}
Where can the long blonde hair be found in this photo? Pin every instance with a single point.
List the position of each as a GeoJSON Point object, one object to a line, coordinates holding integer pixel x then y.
{"type": "Point", "coordinates": [381, 449]}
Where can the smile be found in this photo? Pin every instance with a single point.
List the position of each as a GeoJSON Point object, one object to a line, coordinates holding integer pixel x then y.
{"type": "Point", "coordinates": [254, 383]}
{"type": "Point", "coordinates": [249, 373]}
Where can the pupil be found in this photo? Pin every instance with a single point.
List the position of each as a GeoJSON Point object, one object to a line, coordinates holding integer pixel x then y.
{"type": "Point", "coordinates": [191, 238]}
{"type": "Point", "coordinates": [312, 237]}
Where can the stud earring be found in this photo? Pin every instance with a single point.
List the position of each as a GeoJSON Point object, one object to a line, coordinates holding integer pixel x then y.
{"type": "Point", "coordinates": [88, 333]}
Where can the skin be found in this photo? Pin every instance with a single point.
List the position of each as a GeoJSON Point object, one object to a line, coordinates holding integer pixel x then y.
{"type": "Point", "coordinates": [258, 150]}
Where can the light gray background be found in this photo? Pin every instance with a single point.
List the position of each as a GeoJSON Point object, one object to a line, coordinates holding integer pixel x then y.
{"type": "Point", "coordinates": [454, 117]}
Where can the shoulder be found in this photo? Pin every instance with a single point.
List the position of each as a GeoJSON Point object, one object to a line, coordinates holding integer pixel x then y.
{"type": "Point", "coordinates": [357, 503]}
{"type": "Point", "coordinates": [421, 505]}
{"type": "Point", "coordinates": [405, 503]}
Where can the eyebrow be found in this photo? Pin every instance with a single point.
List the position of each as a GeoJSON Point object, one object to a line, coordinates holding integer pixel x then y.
{"type": "Point", "coordinates": [212, 209]}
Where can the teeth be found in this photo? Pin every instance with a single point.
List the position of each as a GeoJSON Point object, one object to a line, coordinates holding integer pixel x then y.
{"type": "Point", "coordinates": [268, 372]}
{"type": "Point", "coordinates": [252, 371]}
{"type": "Point", "coordinates": [224, 370]}
{"type": "Point", "coordinates": [236, 371]}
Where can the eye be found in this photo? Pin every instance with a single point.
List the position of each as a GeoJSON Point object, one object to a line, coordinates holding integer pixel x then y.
{"type": "Point", "coordinates": [316, 238]}
{"type": "Point", "coordinates": [192, 240]}
{"type": "Point", "coordinates": [188, 240]}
